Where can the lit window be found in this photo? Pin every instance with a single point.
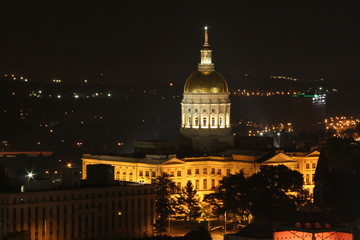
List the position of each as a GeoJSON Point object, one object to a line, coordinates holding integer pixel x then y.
{"type": "Point", "coordinates": [205, 184]}
{"type": "Point", "coordinates": [117, 176]}
{"type": "Point", "coordinates": [130, 177]}
{"type": "Point", "coordinates": [212, 121]}
{"type": "Point", "coordinates": [204, 121]}
{"type": "Point", "coordinates": [212, 183]}
{"type": "Point", "coordinates": [196, 122]}
{"type": "Point", "coordinates": [124, 176]}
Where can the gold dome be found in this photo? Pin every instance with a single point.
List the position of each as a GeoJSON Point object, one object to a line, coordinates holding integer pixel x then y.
{"type": "Point", "coordinates": [205, 82]}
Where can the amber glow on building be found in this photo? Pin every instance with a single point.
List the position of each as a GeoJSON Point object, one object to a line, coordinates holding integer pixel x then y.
{"type": "Point", "coordinates": [205, 173]}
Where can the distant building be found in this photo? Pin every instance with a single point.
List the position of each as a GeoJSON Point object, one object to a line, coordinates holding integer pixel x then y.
{"type": "Point", "coordinates": [308, 113]}
{"type": "Point", "coordinates": [89, 211]}
{"type": "Point", "coordinates": [205, 173]}
{"type": "Point", "coordinates": [205, 108]}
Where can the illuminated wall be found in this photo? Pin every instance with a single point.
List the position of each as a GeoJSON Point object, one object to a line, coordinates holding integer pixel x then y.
{"type": "Point", "coordinates": [205, 173]}
{"type": "Point", "coordinates": [299, 235]}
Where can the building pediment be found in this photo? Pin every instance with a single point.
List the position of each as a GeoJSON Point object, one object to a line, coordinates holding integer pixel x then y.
{"type": "Point", "coordinates": [173, 161]}
{"type": "Point", "coordinates": [280, 158]}
{"type": "Point", "coordinates": [313, 154]}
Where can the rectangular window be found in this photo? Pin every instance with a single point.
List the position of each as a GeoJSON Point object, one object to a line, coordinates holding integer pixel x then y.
{"type": "Point", "coordinates": [307, 166]}
{"type": "Point", "coordinates": [313, 165]}
{"type": "Point", "coordinates": [141, 173]}
{"type": "Point", "coordinates": [178, 184]}
{"type": "Point", "coordinates": [178, 173]}
{"type": "Point", "coordinates": [212, 183]}
{"type": "Point", "coordinates": [205, 184]}
{"type": "Point", "coordinates": [219, 171]}
{"type": "Point", "coordinates": [153, 174]}
{"type": "Point", "coordinates": [213, 171]}
{"type": "Point", "coordinates": [227, 172]}
{"type": "Point", "coordinates": [147, 173]}
{"type": "Point", "coordinates": [307, 179]}
{"type": "Point", "coordinates": [196, 184]}
{"type": "Point", "coordinates": [313, 181]}
{"type": "Point", "coordinates": [171, 173]}
{"type": "Point", "coordinates": [189, 171]}
{"type": "Point", "coordinates": [197, 171]}
{"type": "Point", "coordinates": [205, 170]}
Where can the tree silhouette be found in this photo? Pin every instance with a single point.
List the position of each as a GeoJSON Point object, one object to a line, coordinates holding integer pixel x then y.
{"type": "Point", "coordinates": [165, 187]}
{"type": "Point", "coordinates": [274, 191]}
{"type": "Point", "coordinates": [187, 202]}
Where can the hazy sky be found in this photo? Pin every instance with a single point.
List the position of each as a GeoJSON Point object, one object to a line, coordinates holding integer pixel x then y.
{"type": "Point", "coordinates": [160, 40]}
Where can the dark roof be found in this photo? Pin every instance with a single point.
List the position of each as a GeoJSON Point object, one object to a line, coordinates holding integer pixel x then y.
{"type": "Point", "coordinates": [322, 169]}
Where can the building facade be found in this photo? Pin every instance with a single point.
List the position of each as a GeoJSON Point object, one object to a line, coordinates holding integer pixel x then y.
{"type": "Point", "coordinates": [205, 173]}
{"type": "Point", "coordinates": [205, 108]}
{"type": "Point", "coordinates": [83, 213]}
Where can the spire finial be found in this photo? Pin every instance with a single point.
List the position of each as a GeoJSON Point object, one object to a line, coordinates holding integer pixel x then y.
{"type": "Point", "coordinates": [206, 43]}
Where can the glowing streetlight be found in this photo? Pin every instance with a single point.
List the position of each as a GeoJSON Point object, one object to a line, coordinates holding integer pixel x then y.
{"type": "Point", "coordinates": [30, 175]}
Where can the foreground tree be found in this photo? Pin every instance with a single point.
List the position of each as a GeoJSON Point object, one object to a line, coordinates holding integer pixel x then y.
{"type": "Point", "coordinates": [274, 191]}
{"type": "Point", "coordinates": [165, 187]}
{"type": "Point", "coordinates": [187, 202]}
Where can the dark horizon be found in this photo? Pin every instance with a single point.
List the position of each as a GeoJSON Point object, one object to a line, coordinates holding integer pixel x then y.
{"type": "Point", "coordinates": [160, 41]}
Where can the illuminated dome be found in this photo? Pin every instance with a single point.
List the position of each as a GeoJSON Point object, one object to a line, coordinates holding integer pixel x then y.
{"type": "Point", "coordinates": [205, 82]}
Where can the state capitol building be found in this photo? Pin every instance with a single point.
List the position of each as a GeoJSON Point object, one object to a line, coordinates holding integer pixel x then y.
{"type": "Point", "coordinates": [205, 123]}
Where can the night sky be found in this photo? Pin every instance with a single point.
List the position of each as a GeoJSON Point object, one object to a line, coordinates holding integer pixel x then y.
{"type": "Point", "coordinates": [160, 40]}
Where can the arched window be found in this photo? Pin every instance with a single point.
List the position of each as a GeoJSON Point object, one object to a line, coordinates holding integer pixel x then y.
{"type": "Point", "coordinates": [213, 121]}
{"type": "Point", "coordinates": [124, 176]}
{"type": "Point", "coordinates": [196, 122]}
{"type": "Point", "coordinates": [130, 177]}
{"type": "Point", "coordinates": [117, 176]}
{"type": "Point", "coordinates": [204, 121]}
{"type": "Point", "coordinates": [220, 120]}
{"type": "Point", "coordinates": [189, 120]}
